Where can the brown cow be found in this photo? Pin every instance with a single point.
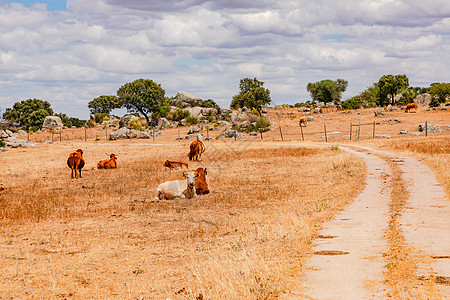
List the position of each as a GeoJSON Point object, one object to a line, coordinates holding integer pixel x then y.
{"type": "Point", "coordinates": [201, 187]}
{"type": "Point", "coordinates": [196, 150]}
{"type": "Point", "coordinates": [410, 106]}
{"type": "Point", "coordinates": [76, 162]}
{"type": "Point", "coordinates": [175, 164]}
{"type": "Point", "coordinates": [108, 163]}
{"type": "Point", "coordinates": [301, 121]}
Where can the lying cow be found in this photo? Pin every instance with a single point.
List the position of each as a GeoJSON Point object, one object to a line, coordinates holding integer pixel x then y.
{"type": "Point", "coordinates": [177, 188]}
{"type": "Point", "coordinates": [410, 106]}
{"type": "Point", "coordinates": [201, 187]}
{"type": "Point", "coordinates": [76, 162]}
{"type": "Point", "coordinates": [175, 164]}
{"type": "Point", "coordinates": [195, 150]}
{"type": "Point", "coordinates": [302, 121]}
{"type": "Point", "coordinates": [108, 163]}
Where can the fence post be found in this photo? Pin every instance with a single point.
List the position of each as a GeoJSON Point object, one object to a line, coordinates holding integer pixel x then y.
{"type": "Point", "coordinates": [281, 133]}
{"type": "Point", "coordinates": [179, 135]}
{"type": "Point", "coordinates": [301, 129]}
{"type": "Point", "coordinates": [359, 130]}
{"type": "Point", "coordinates": [325, 129]}
{"type": "Point", "coordinates": [350, 131]}
{"type": "Point", "coordinates": [207, 133]}
{"type": "Point", "coordinates": [235, 134]}
{"type": "Point", "coordinates": [373, 135]}
{"type": "Point", "coordinates": [260, 131]}
{"type": "Point", "coordinates": [426, 128]}
{"type": "Point", "coordinates": [153, 130]}
{"type": "Point", "coordinates": [106, 130]}
{"type": "Point", "coordinates": [60, 136]}
{"type": "Point", "coordinates": [28, 135]}
{"type": "Point", "coordinates": [52, 136]}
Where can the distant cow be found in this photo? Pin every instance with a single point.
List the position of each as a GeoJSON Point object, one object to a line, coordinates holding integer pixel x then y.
{"type": "Point", "coordinates": [410, 106]}
{"type": "Point", "coordinates": [76, 162]}
{"type": "Point", "coordinates": [175, 164]}
{"type": "Point", "coordinates": [108, 163]}
{"type": "Point", "coordinates": [196, 150]}
{"type": "Point", "coordinates": [201, 187]}
{"type": "Point", "coordinates": [177, 188]}
{"type": "Point", "coordinates": [302, 121]}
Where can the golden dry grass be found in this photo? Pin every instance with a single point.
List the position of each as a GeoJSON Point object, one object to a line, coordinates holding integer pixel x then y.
{"type": "Point", "coordinates": [103, 236]}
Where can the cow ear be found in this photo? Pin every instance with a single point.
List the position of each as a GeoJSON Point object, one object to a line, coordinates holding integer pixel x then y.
{"type": "Point", "coordinates": [206, 173]}
{"type": "Point", "coordinates": [196, 174]}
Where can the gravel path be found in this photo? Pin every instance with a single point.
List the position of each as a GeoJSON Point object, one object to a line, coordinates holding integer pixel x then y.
{"type": "Point", "coordinates": [348, 261]}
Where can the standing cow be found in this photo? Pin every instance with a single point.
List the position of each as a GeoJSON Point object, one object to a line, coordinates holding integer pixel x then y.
{"type": "Point", "coordinates": [196, 150]}
{"type": "Point", "coordinates": [410, 106]}
{"type": "Point", "coordinates": [76, 162]}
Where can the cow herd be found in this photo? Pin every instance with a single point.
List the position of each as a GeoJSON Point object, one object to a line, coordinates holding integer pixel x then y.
{"type": "Point", "coordinates": [192, 183]}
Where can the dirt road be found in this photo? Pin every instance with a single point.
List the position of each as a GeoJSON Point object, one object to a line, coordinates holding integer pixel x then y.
{"type": "Point", "coordinates": [348, 260]}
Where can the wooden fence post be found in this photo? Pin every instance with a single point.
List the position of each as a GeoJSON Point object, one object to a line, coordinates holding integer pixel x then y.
{"type": "Point", "coordinates": [153, 130]}
{"type": "Point", "coordinates": [301, 129]}
{"type": "Point", "coordinates": [325, 129]}
{"type": "Point", "coordinates": [426, 128]}
{"type": "Point", "coordinates": [106, 130]}
{"type": "Point", "coordinates": [350, 131]}
{"type": "Point", "coordinates": [260, 131]}
{"type": "Point", "coordinates": [373, 135]}
{"type": "Point", "coordinates": [281, 133]}
{"type": "Point", "coordinates": [359, 130]}
{"type": "Point", "coordinates": [60, 136]}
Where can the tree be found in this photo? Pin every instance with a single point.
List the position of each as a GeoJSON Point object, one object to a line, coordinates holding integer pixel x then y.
{"type": "Point", "coordinates": [104, 104]}
{"type": "Point", "coordinates": [70, 121]}
{"type": "Point", "coordinates": [440, 91]}
{"type": "Point", "coordinates": [327, 90]}
{"type": "Point", "coordinates": [29, 113]}
{"type": "Point", "coordinates": [252, 95]}
{"type": "Point", "coordinates": [390, 85]}
{"type": "Point", "coordinates": [142, 96]}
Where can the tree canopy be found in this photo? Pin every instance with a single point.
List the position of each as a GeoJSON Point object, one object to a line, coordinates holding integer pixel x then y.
{"type": "Point", "coordinates": [252, 95]}
{"type": "Point", "coordinates": [142, 96]}
{"type": "Point", "coordinates": [327, 90]}
{"type": "Point", "coordinates": [391, 85]}
{"type": "Point", "coordinates": [29, 113]}
{"type": "Point", "coordinates": [440, 91]}
{"type": "Point", "coordinates": [104, 104]}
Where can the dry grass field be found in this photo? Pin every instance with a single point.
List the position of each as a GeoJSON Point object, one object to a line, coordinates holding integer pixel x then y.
{"type": "Point", "coordinates": [104, 236]}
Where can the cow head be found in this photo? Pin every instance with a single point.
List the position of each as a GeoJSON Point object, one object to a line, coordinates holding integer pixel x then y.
{"type": "Point", "coordinates": [80, 151]}
{"type": "Point", "coordinates": [190, 177]}
{"type": "Point", "coordinates": [112, 155]}
{"type": "Point", "coordinates": [167, 163]}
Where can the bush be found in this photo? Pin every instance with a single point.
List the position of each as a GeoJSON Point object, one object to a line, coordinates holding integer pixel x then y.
{"type": "Point", "coordinates": [89, 124]}
{"type": "Point", "coordinates": [352, 103]}
{"type": "Point", "coordinates": [134, 123]}
{"type": "Point", "coordinates": [191, 120]}
{"type": "Point", "coordinates": [2, 143]}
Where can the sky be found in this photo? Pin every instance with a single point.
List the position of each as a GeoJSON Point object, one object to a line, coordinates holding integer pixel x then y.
{"type": "Point", "coordinates": [70, 52]}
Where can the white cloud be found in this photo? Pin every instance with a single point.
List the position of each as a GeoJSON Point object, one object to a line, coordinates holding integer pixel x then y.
{"type": "Point", "coordinates": [206, 47]}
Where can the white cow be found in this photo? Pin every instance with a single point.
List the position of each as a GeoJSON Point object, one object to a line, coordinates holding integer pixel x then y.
{"type": "Point", "coordinates": [177, 188]}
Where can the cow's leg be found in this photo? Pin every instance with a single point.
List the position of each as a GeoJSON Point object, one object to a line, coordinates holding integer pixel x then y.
{"type": "Point", "coordinates": [71, 173]}
{"type": "Point", "coordinates": [79, 170]}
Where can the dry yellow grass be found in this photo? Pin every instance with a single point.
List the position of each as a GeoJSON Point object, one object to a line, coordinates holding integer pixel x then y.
{"type": "Point", "coordinates": [102, 236]}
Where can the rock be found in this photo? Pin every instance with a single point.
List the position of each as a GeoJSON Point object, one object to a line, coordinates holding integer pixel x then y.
{"type": "Point", "coordinates": [430, 128]}
{"type": "Point", "coordinates": [137, 134]}
{"type": "Point", "coordinates": [238, 117]}
{"type": "Point", "coordinates": [304, 109]}
{"type": "Point", "coordinates": [4, 134]}
{"type": "Point", "coordinates": [253, 133]}
{"type": "Point", "coordinates": [22, 132]}
{"type": "Point", "coordinates": [3, 149]}
{"type": "Point", "coordinates": [47, 142]}
{"type": "Point", "coordinates": [209, 111]}
{"type": "Point", "coordinates": [404, 131]}
{"type": "Point", "coordinates": [164, 123]}
{"type": "Point", "coordinates": [309, 119]}
{"type": "Point", "coordinates": [329, 105]}
{"type": "Point", "coordinates": [415, 133]}
{"type": "Point", "coordinates": [317, 110]}
{"type": "Point", "coordinates": [224, 111]}
{"type": "Point", "coordinates": [229, 133]}
{"type": "Point", "coordinates": [185, 99]}
{"type": "Point", "coordinates": [199, 137]}
{"type": "Point", "coordinates": [195, 111]}
{"type": "Point", "coordinates": [320, 104]}
{"type": "Point", "coordinates": [53, 123]}
{"type": "Point", "coordinates": [264, 110]}
{"type": "Point", "coordinates": [382, 136]}
{"type": "Point", "coordinates": [379, 112]}
{"type": "Point", "coordinates": [223, 123]}
{"type": "Point", "coordinates": [121, 133]}
{"type": "Point", "coordinates": [194, 129]}
{"type": "Point", "coordinates": [125, 120]}
{"type": "Point", "coordinates": [15, 143]}
{"type": "Point", "coordinates": [423, 99]}
{"type": "Point", "coordinates": [244, 124]}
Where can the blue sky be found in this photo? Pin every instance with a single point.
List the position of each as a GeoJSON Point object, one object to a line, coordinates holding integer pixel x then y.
{"type": "Point", "coordinates": [51, 4]}
{"type": "Point", "coordinates": [71, 54]}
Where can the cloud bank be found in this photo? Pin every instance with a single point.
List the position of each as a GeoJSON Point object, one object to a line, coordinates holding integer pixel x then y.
{"type": "Point", "coordinates": [68, 57]}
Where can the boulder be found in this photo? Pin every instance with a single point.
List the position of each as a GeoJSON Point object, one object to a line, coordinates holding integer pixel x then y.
{"type": "Point", "coordinates": [127, 133]}
{"type": "Point", "coordinates": [15, 143]}
{"type": "Point", "coordinates": [4, 134]}
{"type": "Point", "coordinates": [185, 99]}
{"type": "Point", "coordinates": [253, 133]}
{"type": "Point", "coordinates": [163, 123]}
{"type": "Point", "coordinates": [137, 134]}
{"type": "Point", "coordinates": [404, 131]}
{"type": "Point", "coordinates": [238, 117]}
{"type": "Point", "coordinates": [53, 123]}
{"type": "Point", "coordinates": [209, 111]}
{"type": "Point", "coordinates": [224, 111]}
{"type": "Point", "coordinates": [223, 123]}
{"type": "Point", "coordinates": [317, 110]}
{"type": "Point", "coordinates": [125, 120]}
{"type": "Point", "coordinates": [429, 128]}
{"type": "Point", "coordinates": [309, 119]}
{"type": "Point", "coordinates": [423, 99]}
{"type": "Point", "coordinates": [195, 111]}
{"type": "Point", "coordinates": [379, 112]}
{"type": "Point", "coordinates": [194, 129]}
{"type": "Point", "coordinates": [382, 136]}
{"type": "Point", "coordinates": [229, 133]}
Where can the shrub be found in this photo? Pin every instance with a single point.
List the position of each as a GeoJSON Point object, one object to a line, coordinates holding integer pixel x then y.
{"type": "Point", "coordinates": [352, 103]}
{"type": "Point", "coordinates": [89, 124]}
{"type": "Point", "coordinates": [134, 123]}
{"type": "Point", "coordinates": [2, 143]}
{"type": "Point", "coordinates": [181, 114]}
{"type": "Point", "coordinates": [191, 120]}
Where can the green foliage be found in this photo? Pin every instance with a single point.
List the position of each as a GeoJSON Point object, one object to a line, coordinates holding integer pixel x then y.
{"type": "Point", "coordinates": [191, 120]}
{"type": "Point", "coordinates": [327, 90]}
{"type": "Point", "coordinates": [100, 117]}
{"type": "Point", "coordinates": [211, 104]}
{"type": "Point", "coordinates": [252, 95]}
{"type": "Point", "coordinates": [334, 148]}
{"type": "Point", "coordinates": [29, 113]}
{"type": "Point", "coordinates": [2, 143]}
{"type": "Point", "coordinates": [352, 103]}
{"type": "Point", "coordinates": [143, 96]}
{"type": "Point", "coordinates": [408, 95]}
{"type": "Point", "coordinates": [440, 92]}
{"type": "Point", "coordinates": [104, 104]}
{"type": "Point", "coordinates": [89, 124]}
{"type": "Point", "coordinates": [70, 121]}
{"type": "Point", "coordinates": [259, 124]}
{"type": "Point", "coordinates": [390, 85]}
{"type": "Point", "coordinates": [134, 123]}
